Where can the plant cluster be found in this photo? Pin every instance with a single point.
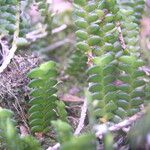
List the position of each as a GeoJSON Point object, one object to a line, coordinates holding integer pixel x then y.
{"type": "Point", "coordinates": [107, 53]}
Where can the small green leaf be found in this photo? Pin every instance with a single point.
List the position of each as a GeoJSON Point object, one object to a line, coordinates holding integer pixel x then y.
{"type": "Point", "coordinates": [121, 112]}
{"type": "Point", "coordinates": [110, 96]}
{"type": "Point", "coordinates": [95, 88]}
{"type": "Point", "coordinates": [108, 27]}
{"type": "Point", "coordinates": [79, 2]}
{"type": "Point", "coordinates": [97, 95]}
{"type": "Point", "coordinates": [109, 88]}
{"type": "Point", "coordinates": [22, 42]}
{"type": "Point", "coordinates": [35, 115]}
{"type": "Point", "coordinates": [48, 65]}
{"type": "Point", "coordinates": [110, 106]}
{"type": "Point", "coordinates": [123, 103]}
{"type": "Point", "coordinates": [83, 46]}
{"type": "Point", "coordinates": [81, 23]}
{"type": "Point", "coordinates": [35, 73]}
{"type": "Point", "coordinates": [138, 83]}
{"type": "Point", "coordinates": [103, 60]}
{"type": "Point", "coordinates": [92, 17]}
{"type": "Point", "coordinates": [36, 122]}
{"type": "Point", "coordinates": [80, 12]}
{"type": "Point", "coordinates": [95, 78]}
{"type": "Point", "coordinates": [93, 29]}
{"type": "Point", "coordinates": [5, 113]}
{"type": "Point", "coordinates": [109, 18]}
{"type": "Point", "coordinates": [125, 87]}
{"type": "Point", "coordinates": [36, 83]}
{"type": "Point", "coordinates": [90, 6]}
{"type": "Point", "coordinates": [94, 70]}
{"type": "Point", "coordinates": [123, 95]}
{"type": "Point", "coordinates": [136, 101]}
{"type": "Point", "coordinates": [82, 34]}
{"type": "Point", "coordinates": [37, 128]}
{"type": "Point", "coordinates": [94, 40]}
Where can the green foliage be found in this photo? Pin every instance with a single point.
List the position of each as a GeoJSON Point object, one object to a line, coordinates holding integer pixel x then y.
{"type": "Point", "coordinates": [108, 141]}
{"type": "Point", "coordinates": [45, 22]}
{"type": "Point", "coordinates": [84, 141]}
{"type": "Point", "coordinates": [43, 95]}
{"type": "Point", "coordinates": [132, 13]}
{"type": "Point", "coordinates": [101, 25]}
{"type": "Point", "coordinates": [97, 34]}
{"type": "Point", "coordinates": [137, 6]}
{"type": "Point", "coordinates": [12, 21]}
{"type": "Point", "coordinates": [131, 91]}
{"type": "Point", "coordinates": [10, 137]}
{"type": "Point", "coordinates": [30, 143]}
{"type": "Point", "coordinates": [62, 111]}
{"type": "Point", "coordinates": [8, 16]}
{"type": "Point", "coordinates": [139, 134]}
{"type": "Point", "coordinates": [8, 131]}
{"type": "Point", "coordinates": [101, 77]}
{"type": "Point", "coordinates": [69, 141]}
{"type": "Point", "coordinates": [96, 28]}
{"type": "Point", "coordinates": [78, 61]}
{"type": "Point", "coordinates": [147, 93]}
{"type": "Point", "coordinates": [86, 15]}
{"type": "Point", "coordinates": [107, 40]}
{"type": "Point", "coordinates": [44, 6]}
{"type": "Point", "coordinates": [64, 131]}
{"type": "Point", "coordinates": [77, 64]}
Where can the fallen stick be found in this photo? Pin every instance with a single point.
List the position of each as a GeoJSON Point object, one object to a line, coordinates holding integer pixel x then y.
{"type": "Point", "coordinates": [119, 126]}
{"type": "Point", "coordinates": [82, 118]}
{"type": "Point", "coordinates": [55, 147]}
{"type": "Point", "coordinates": [14, 44]}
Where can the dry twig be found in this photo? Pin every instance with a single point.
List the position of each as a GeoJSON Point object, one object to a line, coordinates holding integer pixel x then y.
{"type": "Point", "coordinates": [42, 33]}
{"type": "Point", "coordinates": [14, 44]}
{"type": "Point", "coordinates": [59, 29]}
{"type": "Point", "coordinates": [71, 98]}
{"type": "Point", "coordinates": [121, 39]}
{"type": "Point", "coordinates": [55, 147]}
{"type": "Point", "coordinates": [121, 125]}
{"type": "Point", "coordinates": [56, 45]}
{"type": "Point", "coordinates": [82, 118]}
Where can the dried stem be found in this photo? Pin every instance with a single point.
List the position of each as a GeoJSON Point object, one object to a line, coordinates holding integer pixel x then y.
{"type": "Point", "coordinates": [121, 39]}
{"type": "Point", "coordinates": [56, 45]}
{"type": "Point", "coordinates": [14, 44]}
{"type": "Point", "coordinates": [55, 147]}
{"type": "Point", "coordinates": [82, 118]}
{"type": "Point", "coordinates": [59, 29]}
{"type": "Point", "coordinates": [121, 125]}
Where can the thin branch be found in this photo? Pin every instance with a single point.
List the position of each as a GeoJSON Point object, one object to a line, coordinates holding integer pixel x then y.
{"type": "Point", "coordinates": [14, 44]}
{"type": "Point", "coordinates": [121, 39]}
{"type": "Point", "coordinates": [41, 32]}
{"type": "Point", "coordinates": [90, 58]}
{"type": "Point", "coordinates": [59, 29]}
{"type": "Point", "coordinates": [23, 131]}
{"type": "Point", "coordinates": [82, 118]}
{"type": "Point", "coordinates": [71, 98]}
{"type": "Point", "coordinates": [121, 125]}
{"type": "Point", "coordinates": [37, 34]}
{"type": "Point", "coordinates": [55, 147]}
{"type": "Point", "coordinates": [55, 45]}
